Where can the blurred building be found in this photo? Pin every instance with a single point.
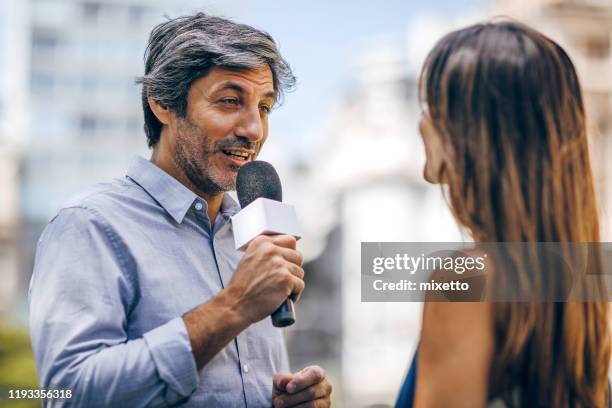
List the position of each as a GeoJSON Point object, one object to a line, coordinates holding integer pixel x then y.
{"type": "Point", "coordinates": [584, 29]}
{"type": "Point", "coordinates": [86, 117]}
{"type": "Point", "coordinates": [85, 114]}
{"type": "Point", "coordinates": [13, 131]}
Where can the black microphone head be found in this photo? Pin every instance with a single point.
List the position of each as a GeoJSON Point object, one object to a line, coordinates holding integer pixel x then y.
{"type": "Point", "coordinates": [258, 179]}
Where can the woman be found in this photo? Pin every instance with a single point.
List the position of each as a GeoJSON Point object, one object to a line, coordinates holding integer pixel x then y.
{"type": "Point", "coordinates": [505, 133]}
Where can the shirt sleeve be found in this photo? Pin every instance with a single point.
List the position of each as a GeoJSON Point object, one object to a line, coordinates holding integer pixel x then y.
{"type": "Point", "coordinates": [81, 292]}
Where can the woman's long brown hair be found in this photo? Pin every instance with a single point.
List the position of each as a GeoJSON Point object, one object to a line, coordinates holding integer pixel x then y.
{"type": "Point", "coordinates": [507, 104]}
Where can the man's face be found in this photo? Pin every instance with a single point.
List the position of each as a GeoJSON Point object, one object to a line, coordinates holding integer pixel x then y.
{"type": "Point", "coordinates": [225, 126]}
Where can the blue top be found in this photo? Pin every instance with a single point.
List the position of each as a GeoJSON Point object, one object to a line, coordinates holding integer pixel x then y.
{"type": "Point", "coordinates": [115, 270]}
{"type": "Point", "coordinates": [406, 396]}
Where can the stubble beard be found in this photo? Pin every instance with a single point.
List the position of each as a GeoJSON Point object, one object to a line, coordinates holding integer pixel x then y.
{"type": "Point", "coordinates": [195, 160]}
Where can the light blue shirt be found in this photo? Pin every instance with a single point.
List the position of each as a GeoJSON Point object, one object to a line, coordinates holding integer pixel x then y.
{"type": "Point", "coordinates": [115, 270]}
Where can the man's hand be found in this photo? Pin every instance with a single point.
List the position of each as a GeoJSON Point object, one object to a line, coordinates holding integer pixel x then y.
{"type": "Point", "coordinates": [306, 388]}
{"type": "Point", "coordinates": [269, 273]}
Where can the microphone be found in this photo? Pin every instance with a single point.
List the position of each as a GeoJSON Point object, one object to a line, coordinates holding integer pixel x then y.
{"type": "Point", "coordinates": [256, 179]}
{"type": "Point", "coordinates": [260, 195]}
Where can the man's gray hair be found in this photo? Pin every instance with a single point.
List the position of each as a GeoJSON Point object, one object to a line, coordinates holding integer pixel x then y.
{"type": "Point", "coordinates": [184, 49]}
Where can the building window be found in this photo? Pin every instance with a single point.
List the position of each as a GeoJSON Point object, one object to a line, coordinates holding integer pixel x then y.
{"type": "Point", "coordinates": [91, 11]}
{"type": "Point", "coordinates": [44, 40]}
{"type": "Point", "coordinates": [87, 123]}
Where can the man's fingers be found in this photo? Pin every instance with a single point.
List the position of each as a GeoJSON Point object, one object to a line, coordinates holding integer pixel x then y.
{"type": "Point", "coordinates": [280, 381]}
{"type": "Point", "coordinates": [296, 293]}
{"type": "Point", "coordinates": [307, 388]}
{"type": "Point", "coordinates": [315, 396]}
{"type": "Point", "coordinates": [292, 256]}
{"type": "Point", "coordinates": [296, 271]}
{"type": "Point", "coordinates": [283, 245]}
{"type": "Point", "coordinates": [310, 394]}
{"type": "Point", "coordinates": [306, 377]}
{"type": "Point", "coordinates": [318, 403]}
{"type": "Point", "coordinates": [283, 240]}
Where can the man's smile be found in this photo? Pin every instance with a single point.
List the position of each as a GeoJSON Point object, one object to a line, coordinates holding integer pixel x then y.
{"type": "Point", "coordinates": [237, 157]}
{"type": "Point", "coordinates": [242, 155]}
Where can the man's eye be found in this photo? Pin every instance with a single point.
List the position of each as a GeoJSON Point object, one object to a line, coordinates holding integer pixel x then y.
{"type": "Point", "coordinates": [229, 101]}
{"type": "Point", "coordinates": [265, 108]}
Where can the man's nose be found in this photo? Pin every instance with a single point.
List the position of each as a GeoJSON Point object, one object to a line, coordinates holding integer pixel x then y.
{"type": "Point", "coordinates": [251, 125]}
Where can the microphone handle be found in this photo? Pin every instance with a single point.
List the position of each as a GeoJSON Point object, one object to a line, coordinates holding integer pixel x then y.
{"type": "Point", "coordinates": [285, 314]}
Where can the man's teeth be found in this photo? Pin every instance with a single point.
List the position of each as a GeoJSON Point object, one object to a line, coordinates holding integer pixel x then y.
{"type": "Point", "coordinates": [237, 155]}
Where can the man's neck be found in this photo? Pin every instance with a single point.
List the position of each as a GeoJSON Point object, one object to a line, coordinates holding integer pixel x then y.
{"type": "Point", "coordinates": [168, 164]}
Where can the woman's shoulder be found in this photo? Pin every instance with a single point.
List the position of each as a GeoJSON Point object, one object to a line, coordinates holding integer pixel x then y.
{"type": "Point", "coordinates": [447, 317]}
{"type": "Point", "coordinates": [455, 352]}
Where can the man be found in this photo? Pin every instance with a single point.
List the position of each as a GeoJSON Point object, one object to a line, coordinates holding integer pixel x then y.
{"type": "Point", "coordinates": [138, 297]}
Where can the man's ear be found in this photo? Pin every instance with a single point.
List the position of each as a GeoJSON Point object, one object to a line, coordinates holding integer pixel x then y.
{"type": "Point", "coordinates": [162, 114]}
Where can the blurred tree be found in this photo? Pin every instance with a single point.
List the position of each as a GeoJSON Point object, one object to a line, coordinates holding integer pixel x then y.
{"type": "Point", "coordinates": [17, 367]}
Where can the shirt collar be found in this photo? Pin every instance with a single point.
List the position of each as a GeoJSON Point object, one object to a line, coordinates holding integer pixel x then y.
{"type": "Point", "coordinates": [229, 206]}
{"type": "Point", "coordinates": [170, 193]}
{"type": "Point", "coordinates": [173, 196]}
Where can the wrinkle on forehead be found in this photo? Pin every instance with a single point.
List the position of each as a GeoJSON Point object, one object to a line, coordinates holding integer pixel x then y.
{"type": "Point", "coordinates": [214, 80]}
{"type": "Point", "coordinates": [260, 77]}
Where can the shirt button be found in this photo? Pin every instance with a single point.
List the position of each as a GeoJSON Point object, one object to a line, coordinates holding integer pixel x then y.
{"type": "Point", "coordinates": [245, 368]}
{"type": "Point", "coordinates": [198, 206]}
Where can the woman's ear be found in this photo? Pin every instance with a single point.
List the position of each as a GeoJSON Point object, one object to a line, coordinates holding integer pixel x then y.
{"type": "Point", "coordinates": [162, 114]}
